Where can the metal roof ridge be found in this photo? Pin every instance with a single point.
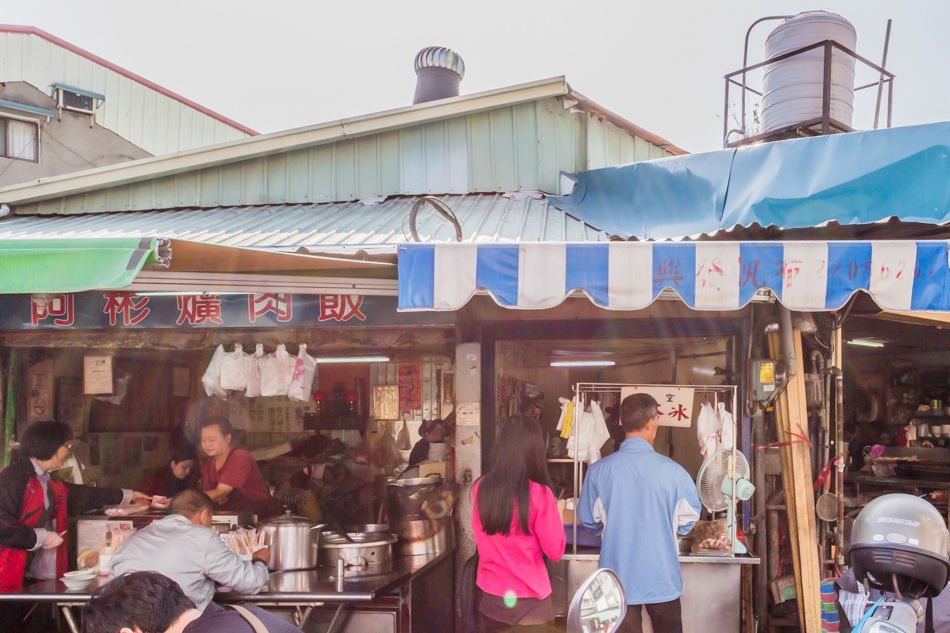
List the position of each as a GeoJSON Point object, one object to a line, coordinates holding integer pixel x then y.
{"type": "Point", "coordinates": [32, 30]}
{"type": "Point", "coordinates": [277, 142]}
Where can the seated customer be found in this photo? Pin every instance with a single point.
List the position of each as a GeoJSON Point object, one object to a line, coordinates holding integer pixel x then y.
{"type": "Point", "coordinates": [148, 602]}
{"type": "Point", "coordinates": [231, 476]}
{"type": "Point", "coordinates": [183, 547]}
{"type": "Point", "coordinates": [176, 476]}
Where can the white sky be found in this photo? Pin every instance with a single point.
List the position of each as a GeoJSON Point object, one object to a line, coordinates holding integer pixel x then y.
{"type": "Point", "coordinates": [280, 64]}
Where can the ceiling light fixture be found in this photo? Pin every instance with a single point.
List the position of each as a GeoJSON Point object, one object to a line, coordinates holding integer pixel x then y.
{"type": "Point", "coordinates": [583, 363]}
{"type": "Point", "coordinates": [866, 342]}
{"type": "Point", "coordinates": [354, 359]}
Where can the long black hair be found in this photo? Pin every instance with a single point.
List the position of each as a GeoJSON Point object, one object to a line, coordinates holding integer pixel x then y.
{"type": "Point", "coordinates": [519, 459]}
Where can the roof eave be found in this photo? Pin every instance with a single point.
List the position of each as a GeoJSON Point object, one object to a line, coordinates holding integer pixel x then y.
{"type": "Point", "coordinates": [586, 105]}
{"type": "Point", "coordinates": [285, 141]}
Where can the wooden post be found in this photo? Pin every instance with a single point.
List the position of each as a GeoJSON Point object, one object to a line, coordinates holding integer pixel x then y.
{"type": "Point", "coordinates": [792, 422]}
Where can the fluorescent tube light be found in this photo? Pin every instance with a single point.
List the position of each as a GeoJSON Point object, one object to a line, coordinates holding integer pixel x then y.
{"type": "Point", "coordinates": [863, 342]}
{"type": "Point", "coordinates": [583, 363]}
{"type": "Point", "coordinates": [354, 359]}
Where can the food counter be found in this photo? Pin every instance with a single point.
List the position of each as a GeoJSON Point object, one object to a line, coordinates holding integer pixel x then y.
{"type": "Point", "coordinates": [417, 595]}
{"type": "Point", "coordinates": [711, 588]}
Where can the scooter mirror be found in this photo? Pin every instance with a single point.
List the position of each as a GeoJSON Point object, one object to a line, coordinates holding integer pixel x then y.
{"type": "Point", "coordinates": [599, 605]}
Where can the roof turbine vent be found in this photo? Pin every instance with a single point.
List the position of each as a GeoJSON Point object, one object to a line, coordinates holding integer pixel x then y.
{"type": "Point", "coordinates": [439, 71]}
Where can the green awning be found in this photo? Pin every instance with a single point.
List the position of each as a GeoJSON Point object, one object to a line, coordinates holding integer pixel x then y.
{"type": "Point", "coordinates": [73, 265]}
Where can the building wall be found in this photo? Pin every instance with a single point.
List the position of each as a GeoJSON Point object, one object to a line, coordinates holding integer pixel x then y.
{"type": "Point", "coordinates": [523, 147]}
{"type": "Point", "coordinates": [66, 145]}
{"type": "Point", "coordinates": [155, 122]}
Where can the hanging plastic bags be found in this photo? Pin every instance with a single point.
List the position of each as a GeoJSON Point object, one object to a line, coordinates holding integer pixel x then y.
{"type": "Point", "coordinates": [403, 441]}
{"type": "Point", "coordinates": [234, 369]}
{"type": "Point", "coordinates": [212, 376]}
{"type": "Point", "coordinates": [277, 370]}
{"type": "Point", "coordinates": [252, 366]}
{"type": "Point", "coordinates": [301, 383]}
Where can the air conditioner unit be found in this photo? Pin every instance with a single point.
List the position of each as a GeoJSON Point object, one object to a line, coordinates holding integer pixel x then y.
{"type": "Point", "coordinates": [77, 100]}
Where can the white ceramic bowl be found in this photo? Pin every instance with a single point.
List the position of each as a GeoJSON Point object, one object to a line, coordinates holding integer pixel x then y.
{"type": "Point", "coordinates": [79, 580]}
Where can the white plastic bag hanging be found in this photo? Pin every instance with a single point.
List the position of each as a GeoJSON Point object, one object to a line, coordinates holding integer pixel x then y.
{"type": "Point", "coordinates": [212, 376]}
{"type": "Point", "coordinates": [234, 369]}
{"type": "Point", "coordinates": [252, 365]}
{"type": "Point", "coordinates": [276, 372]}
{"type": "Point", "coordinates": [301, 383]}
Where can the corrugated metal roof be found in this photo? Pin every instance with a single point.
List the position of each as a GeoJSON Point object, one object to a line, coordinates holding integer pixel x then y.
{"type": "Point", "coordinates": [483, 218]}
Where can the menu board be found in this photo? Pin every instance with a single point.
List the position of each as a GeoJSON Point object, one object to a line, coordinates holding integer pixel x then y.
{"type": "Point", "coordinates": [97, 375]}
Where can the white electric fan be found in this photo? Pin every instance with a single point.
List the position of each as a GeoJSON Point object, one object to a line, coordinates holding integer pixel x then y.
{"type": "Point", "coordinates": [714, 485]}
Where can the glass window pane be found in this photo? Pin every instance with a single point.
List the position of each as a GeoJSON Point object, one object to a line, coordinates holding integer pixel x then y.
{"type": "Point", "coordinates": [21, 140]}
{"type": "Point", "coordinates": [3, 137]}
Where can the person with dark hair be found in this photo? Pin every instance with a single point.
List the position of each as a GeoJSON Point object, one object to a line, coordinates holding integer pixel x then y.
{"type": "Point", "coordinates": [176, 476]}
{"type": "Point", "coordinates": [183, 547]}
{"type": "Point", "coordinates": [638, 501]}
{"type": "Point", "coordinates": [231, 476]}
{"type": "Point", "coordinates": [516, 524]}
{"type": "Point", "coordinates": [148, 602]}
{"type": "Point", "coordinates": [431, 431]}
{"type": "Point", "coordinates": [33, 506]}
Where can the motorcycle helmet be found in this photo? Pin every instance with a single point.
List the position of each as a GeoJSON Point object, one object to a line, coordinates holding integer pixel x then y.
{"type": "Point", "coordinates": [901, 540]}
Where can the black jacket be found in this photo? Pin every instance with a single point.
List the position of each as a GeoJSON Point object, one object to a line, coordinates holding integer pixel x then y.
{"type": "Point", "coordinates": [13, 480]}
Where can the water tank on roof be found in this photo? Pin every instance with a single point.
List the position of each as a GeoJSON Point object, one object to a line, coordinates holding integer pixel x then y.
{"type": "Point", "coordinates": [792, 88]}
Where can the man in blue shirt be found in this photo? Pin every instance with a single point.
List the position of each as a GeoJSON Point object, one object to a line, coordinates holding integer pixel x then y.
{"type": "Point", "coordinates": [639, 501]}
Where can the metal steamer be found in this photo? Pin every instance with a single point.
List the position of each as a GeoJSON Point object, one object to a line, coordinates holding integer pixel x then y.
{"type": "Point", "coordinates": [293, 542]}
{"type": "Point", "coordinates": [361, 553]}
{"type": "Point", "coordinates": [419, 515]}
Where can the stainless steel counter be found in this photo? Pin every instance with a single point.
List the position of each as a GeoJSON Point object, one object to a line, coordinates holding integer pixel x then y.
{"type": "Point", "coordinates": [313, 590]}
{"type": "Point", "coordinates": [711, 585]}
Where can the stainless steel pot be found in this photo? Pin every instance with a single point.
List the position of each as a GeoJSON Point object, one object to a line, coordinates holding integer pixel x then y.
{"type": "Point", "coordinates": [424, 537]}
{"type": "Point", "coordinates": [405, 497]}
{"type": "Point", "coordinates": [293, 542]}
{"type": "Point", "coordinates": [371, 553]}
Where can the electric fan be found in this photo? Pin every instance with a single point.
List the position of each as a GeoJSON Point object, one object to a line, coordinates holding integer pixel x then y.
{"type": "Point", "coordinates": [714, 485]}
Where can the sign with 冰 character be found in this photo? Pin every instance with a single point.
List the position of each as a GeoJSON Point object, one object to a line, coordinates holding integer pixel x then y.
{"type": "Point", "coordinates": [674, 403]}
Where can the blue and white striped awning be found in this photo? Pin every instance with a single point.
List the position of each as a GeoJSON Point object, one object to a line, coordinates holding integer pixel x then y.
{"type": "Point", "coordinates": [807, 276]}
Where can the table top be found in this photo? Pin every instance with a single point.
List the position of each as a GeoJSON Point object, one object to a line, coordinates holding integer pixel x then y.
{"type": "Point", "coordinates": [288, 587]}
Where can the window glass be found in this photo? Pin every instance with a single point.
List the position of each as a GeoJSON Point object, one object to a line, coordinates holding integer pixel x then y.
{"type": "Point", "coordinates": [21, 140]}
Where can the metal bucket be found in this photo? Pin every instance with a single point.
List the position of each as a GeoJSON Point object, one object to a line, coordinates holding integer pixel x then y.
{"type": "Point", "coordinates": [405, 497]}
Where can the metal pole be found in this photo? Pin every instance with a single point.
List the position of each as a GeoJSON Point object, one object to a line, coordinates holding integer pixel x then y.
{"type": "Point", "coordinates": [826, 92]}
{"type": "Point", "coordinates": [890, 100]}
{"type": "Point", "coordinates": [880, 82]}
{"type": "Point", "coordinates": [838, 355]}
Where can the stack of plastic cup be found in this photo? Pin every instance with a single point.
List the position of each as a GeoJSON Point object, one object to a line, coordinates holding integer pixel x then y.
{"type": "Point", "coordinates": [829, 613]}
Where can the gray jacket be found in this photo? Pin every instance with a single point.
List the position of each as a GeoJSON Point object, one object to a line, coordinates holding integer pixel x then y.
{"type": "Point", "coordinates": [192, 555]}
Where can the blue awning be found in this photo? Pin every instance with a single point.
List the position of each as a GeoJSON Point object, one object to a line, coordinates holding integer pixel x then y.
{"type": "Point", "coordinates": [905, 276]}
{"type": "Point", "coordinates": [854, 178]}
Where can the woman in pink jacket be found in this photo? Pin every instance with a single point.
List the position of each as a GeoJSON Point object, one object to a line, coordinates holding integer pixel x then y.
{"type": "Point", "coordinates": [516, 524]}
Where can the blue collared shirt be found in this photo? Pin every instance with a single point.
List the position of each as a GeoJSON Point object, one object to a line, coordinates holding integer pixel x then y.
{"type": "Point", "coordinates": [639, 500]}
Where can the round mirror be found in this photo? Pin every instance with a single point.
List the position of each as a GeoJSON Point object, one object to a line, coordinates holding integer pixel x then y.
{"type": "Point", "coordinates": [599, 604]}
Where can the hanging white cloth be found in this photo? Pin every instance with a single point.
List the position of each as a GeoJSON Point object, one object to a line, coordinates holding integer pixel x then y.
{"type": "Point", "coordinates": [589, 436]}
{"type": "Point", "coordinates": [564, 408]}
{"type": "Point", "coordinates": [727, 432]}
{"type": "Point", "coordinates": [708, 425]}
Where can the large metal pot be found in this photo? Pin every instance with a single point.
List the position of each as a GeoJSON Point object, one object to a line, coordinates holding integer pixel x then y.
{"type": "Point", "coordinates": [405, 497]}
{"type": "Point", "coordinates": [293, 542]}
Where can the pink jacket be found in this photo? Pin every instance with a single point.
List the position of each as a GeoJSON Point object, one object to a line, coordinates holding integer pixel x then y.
{"type": "Point", "coordinates": [514, 564]}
